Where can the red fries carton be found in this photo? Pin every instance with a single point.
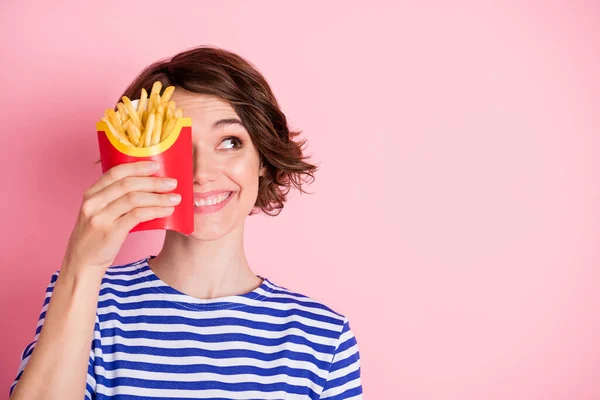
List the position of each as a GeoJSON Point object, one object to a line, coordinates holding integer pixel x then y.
{"type": "Point", "coordinates": [174, 155]}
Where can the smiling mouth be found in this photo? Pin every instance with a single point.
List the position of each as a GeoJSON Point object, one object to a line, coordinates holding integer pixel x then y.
{"type": "Point", "coordinates": [212, 200]}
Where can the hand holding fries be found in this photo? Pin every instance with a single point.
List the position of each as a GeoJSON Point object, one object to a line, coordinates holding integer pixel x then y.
{"type": "Point", "coordinates": [152, 128]}
{"type": "Point", "coordinates": [123, 197]}
{"type": "Point", "coordinates": [148, 125]}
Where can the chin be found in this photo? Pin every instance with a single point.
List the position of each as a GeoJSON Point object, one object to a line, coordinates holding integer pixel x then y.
{"type": "Point", "coordinates": [209, 230]}
{"type": "Point", "coordinates": [224, 222]}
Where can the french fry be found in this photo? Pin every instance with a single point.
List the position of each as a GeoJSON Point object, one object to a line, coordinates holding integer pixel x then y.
{"type": "Point", "coordinates": [150, 123]}
{"type": "Point", "coordinates": [161, 111]}
{"type": "Point", "coordinates": [156, 87]}
{"type": "Point", "coordinates": [114, 120]}
{"type": "Point", "coordinates": [167, 94]}
{"type": "Point", "coordinates": [131, 111]}
{"type": "Point", "coordinates": [149, 129]}
{"type": "Point", "coordinates": [124, 120]}
{"type": "Point", "coordinates": [122, 113]}
{"type": "Point", "coordinates": [126, 142]}
{"type": "Point", "coordinates": [133, 132]}
{"type": "Point", "coordinates": [136, 134]}
{"type": "Point", "coordinates": [143, 103]}
{"type": "Point", "coordinates": [121, 137]}
{"type": "Point", "coordinates": [142, 141]}
{"type": "Point", "coordinates": [157, 128]}
{"type": "Point", "coordinates": [168, 129]}
{"type": "Point", "coordinates": [155, 100]}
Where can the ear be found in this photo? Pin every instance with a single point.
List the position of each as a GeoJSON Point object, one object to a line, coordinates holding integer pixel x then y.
{"type": "Point", "coordinates": [262, 171]}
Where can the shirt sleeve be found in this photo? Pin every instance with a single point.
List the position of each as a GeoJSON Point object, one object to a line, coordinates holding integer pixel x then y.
{"type": "Point", "coordinates": [91, 377]}
{"type": "Point", "coordinates": [343, 380]}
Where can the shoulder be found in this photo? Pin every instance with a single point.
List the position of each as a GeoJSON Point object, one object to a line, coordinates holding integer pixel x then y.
{"type": "Point", "coordinates": [305, 308]}
{"type": "Point", "coordinates": [126, 274]}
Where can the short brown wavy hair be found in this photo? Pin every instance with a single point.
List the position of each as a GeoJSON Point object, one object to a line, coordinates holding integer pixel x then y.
{"type": "Point", "coordinates": [214, 71]}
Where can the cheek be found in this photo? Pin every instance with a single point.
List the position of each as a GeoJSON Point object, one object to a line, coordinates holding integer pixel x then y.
{"type": "Point", "coordinates": [243, 170]}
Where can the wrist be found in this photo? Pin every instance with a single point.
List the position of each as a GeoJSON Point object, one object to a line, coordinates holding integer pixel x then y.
{"type": "Point", "coordinates": [82, 274]}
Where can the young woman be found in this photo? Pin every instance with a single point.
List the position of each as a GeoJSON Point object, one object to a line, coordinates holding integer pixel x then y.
{"type": "Point", "coordinates": [194, 321]}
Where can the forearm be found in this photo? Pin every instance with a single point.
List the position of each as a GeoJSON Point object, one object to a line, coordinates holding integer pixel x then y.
{"type": "Point", "coordinates": [57, 368]}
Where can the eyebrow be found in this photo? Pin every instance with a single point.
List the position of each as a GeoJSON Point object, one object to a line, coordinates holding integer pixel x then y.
{"type": "Point", "coordinates": [227, 121]}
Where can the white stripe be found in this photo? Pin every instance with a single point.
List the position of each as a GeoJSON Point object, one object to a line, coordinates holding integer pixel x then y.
{"type": "Point", "coordinates": [286, 295]}
{"type": "Point", "coordinates": [219, 313]}
{"type": "Point", "coordinates": [344, 337]}
{"type": "Point", "coordinates": [126, 288]}
{"type": "Point", "coordinates": [345, 354]}
{"type": "Point", "coordinates": [241, 300]}
{"type": "Point", "coordinates": [216, 330]}
{"type": "Point", "coordinates": [41, 321]}
{"type": "Point", "coordinates": [344, 371]}
{"type": "Point", "coordinates": [90, 380]}
{"type": "Point", "coordinates": [206, 376]}
{"type": "Point", "coordinates": [127, 267]}
{"type": "Point", "coordinates": [219, 346]}
{"type": "Point", "coordinates": [187, 300]}
{"type": "Point", "coordinates": [357, 397]}
{"type": "Point", "coordinates": [193, 394]}
{"type": "Point", "coordinates": [128, 277]}
{"type": "Point", "coordinates": [217, 362]}
{"type": "Point", "coordinates": [340, 389]}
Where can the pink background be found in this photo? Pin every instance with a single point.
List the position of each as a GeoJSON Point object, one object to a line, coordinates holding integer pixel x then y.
{"type": "Point", "coordinates": [456, 215]}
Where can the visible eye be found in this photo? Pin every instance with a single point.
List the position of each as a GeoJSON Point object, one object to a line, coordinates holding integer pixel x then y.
{"type": "Point", "coordinates": [234, 142]}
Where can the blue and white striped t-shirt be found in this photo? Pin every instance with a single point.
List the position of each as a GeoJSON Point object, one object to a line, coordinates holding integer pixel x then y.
{"type": "Point", "coordinates": [154, 342]}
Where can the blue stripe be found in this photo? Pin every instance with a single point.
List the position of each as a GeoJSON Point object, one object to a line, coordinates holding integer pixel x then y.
{"type": "Point", "coordinates": [27, 351]}
{"type": "Point", "coordinates": [222, 370]}
{"type": "Point", "coordinates": [344, 363]}
{"type": "Point", "coordinates": [206, 385]}
{"type": "Point", "coordinates": [347, 394]}
{"type": "Point", "coordinates": [14, 385]}
{"type": "Point", "coordinates": [246, 309]}
{"type": "Point", "coordinates": [342, 380]}
{"type": "Point", "coordinates": [216, 354]}
{"type": "Point", "coordinates": [217, 338]}
{"type": "Point", "coordinates": [111, 272]}
{"type": "Point", "coordinates": [133, 397]}
{"type": "Point", "coordinates": [347, 344]}
{"type": "Point", "coordinates": [287, 300]}
{"type": "Point", "coordinates": [164, 290]}
{"type": "Point", "coordinates": [130, 282]}
{"type": "Point", "coordinates": [224, 321]}
{"type": "Point", "coordinates": [39, 328]}
{"type": "Point", "coordinates": [91, 390]}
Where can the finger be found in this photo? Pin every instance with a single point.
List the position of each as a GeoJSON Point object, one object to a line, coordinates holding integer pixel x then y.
{"type": "Point", "coordinates": [121, 171]}
{"type": "Point", "coordinates": [133, 200]}
{"type": "Point", "coordinates": [127, 185]}
{"type": "Point", "coordinates": [128, 221]}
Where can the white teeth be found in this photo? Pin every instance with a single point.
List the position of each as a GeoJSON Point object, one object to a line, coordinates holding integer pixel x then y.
{"type": "Point", "coordinates": [211, 201]}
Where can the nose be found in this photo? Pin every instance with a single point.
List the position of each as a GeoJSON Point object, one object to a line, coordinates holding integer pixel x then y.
{"type": "Point", "coordinates": [205, 167]}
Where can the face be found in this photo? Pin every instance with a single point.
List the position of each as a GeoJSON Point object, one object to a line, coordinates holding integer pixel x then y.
{"type": "Point", "coordinates": [226, 165]}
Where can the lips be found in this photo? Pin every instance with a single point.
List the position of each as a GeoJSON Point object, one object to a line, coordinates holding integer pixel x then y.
{"type": "Point", "coordinates": [203, 200]}
{"type": "Point", "coordinates": [211, 202]}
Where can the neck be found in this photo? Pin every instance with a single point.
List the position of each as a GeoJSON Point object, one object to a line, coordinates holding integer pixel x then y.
{"type": "Point", "coordinates": [205, 269]}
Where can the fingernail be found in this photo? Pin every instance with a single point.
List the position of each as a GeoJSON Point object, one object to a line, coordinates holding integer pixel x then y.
{"type": "Point", "coordinates": [174, 198]}
{"type": "Point", "coordinates": [170, 183]}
